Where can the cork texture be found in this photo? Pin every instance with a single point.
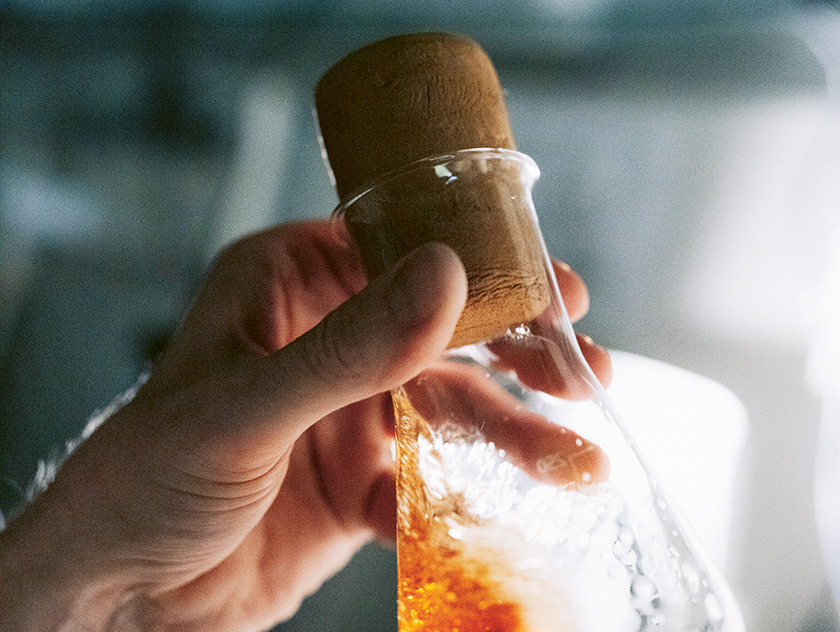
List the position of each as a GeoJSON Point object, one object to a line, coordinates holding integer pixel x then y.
{"type": "Point", "coordinates": [407, 98]}
{"type": "Point", "coordinates": [413, 97]}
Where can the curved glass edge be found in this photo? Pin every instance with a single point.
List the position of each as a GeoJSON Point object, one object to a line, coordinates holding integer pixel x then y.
{"type": "Point", "coordinates": [476, 153]}
{"type": "Point", "coordinates": [667, 509]}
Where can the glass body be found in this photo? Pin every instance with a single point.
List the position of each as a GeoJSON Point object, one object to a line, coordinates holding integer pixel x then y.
{"type": "Point", "coordinates": [523, 504]}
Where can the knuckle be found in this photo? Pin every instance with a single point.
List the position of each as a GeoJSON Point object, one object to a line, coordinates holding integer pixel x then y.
{"type": "Point", "coordinates": [235, 256]}
{"type": "Point", "coordinates": [231, 254]}
{"type": "Point", "coordinates": [333, 350]}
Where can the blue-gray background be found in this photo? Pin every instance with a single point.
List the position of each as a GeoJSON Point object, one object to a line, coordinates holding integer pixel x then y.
{"type": "Point", "coordinates": [137, 138]}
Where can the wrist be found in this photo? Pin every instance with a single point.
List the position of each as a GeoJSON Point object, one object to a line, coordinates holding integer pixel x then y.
{"type": "Point", "coordinates": [54, 573]}
{"type": "Point", "coordinates": [47, 586]}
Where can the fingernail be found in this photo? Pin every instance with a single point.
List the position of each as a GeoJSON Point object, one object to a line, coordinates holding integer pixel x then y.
{"type": "Point", "coordinates": [591, 343]}
{"type": "Point", "coordinates": [598, 358]}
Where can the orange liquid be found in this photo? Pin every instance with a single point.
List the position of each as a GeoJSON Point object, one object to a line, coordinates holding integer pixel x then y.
{"type": "Point", "coordinates": [443, 587]}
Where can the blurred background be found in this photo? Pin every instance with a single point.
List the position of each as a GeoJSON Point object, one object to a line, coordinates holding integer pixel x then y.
{"type": "Point", "coordinates": [691, 173]}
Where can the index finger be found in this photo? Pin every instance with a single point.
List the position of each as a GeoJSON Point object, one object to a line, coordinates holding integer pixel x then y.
{"type": "Point", "coordinates": [450, 393]}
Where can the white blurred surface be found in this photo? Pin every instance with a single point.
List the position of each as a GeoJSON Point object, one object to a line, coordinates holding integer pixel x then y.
{"type": "Point", "coordinates": [692, 432]}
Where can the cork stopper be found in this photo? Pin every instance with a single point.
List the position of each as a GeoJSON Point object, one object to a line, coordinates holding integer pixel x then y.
{"type": "Point", "coordinates": [406, 98]}
{"type": "Point", "coordinates": [414, 97]}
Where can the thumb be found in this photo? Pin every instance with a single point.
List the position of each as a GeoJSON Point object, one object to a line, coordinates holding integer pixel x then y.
{"type": "Point", "coordinates": [375, 341]}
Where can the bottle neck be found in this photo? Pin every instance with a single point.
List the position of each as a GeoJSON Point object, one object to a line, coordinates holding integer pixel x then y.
{"type": "Point", "coordinates": [479, 203]}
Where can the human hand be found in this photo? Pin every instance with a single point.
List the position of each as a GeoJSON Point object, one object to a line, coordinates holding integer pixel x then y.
{"type": "Point", "coordinates": [214, 501]}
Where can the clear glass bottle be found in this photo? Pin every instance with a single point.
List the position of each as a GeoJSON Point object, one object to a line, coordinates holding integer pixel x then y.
{"type": "Point", "coordinates": [523, 503]}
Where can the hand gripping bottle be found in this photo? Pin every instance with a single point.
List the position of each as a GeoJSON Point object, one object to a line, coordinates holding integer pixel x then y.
{"type": "Point", "coordinates": [523, 504]}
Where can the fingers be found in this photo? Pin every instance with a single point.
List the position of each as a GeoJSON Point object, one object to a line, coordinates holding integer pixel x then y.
{"type": "Point", "coordinates": [352, 451]}
{"type": "Point", "coordinates": [261, 293]}
{"type": "Point", "coordinates": [449, 393]}
{"type": "Point", "coordinates": [572, 290]}
{"type": "Point", "coordinates": [381, 507]}
{"type": "Point", "coordinates": [597, 358]}
{"type": "Point", "coordinates": [547, 364]}
{"type": "Point", "coordinates": [377, 340]}
{"type": "Point", "coordinates": [547, 360]}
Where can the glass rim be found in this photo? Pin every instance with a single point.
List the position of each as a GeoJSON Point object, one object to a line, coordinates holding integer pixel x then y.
{"type": "Point", "coordinates": [434, 161]}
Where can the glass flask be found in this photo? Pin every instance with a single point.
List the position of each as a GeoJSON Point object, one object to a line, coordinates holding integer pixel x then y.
{"type": "Point", "coordinates": [523, 503]}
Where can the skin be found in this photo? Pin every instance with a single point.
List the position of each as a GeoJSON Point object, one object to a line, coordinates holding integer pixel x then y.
{"type": "Point", "coordinates": [214, 501]}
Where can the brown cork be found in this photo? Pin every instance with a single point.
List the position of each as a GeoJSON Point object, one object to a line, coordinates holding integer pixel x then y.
{"type": "Point", "coordinates": [412, 97]}
{"type": "Point", "coordinates": [406, 98]}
